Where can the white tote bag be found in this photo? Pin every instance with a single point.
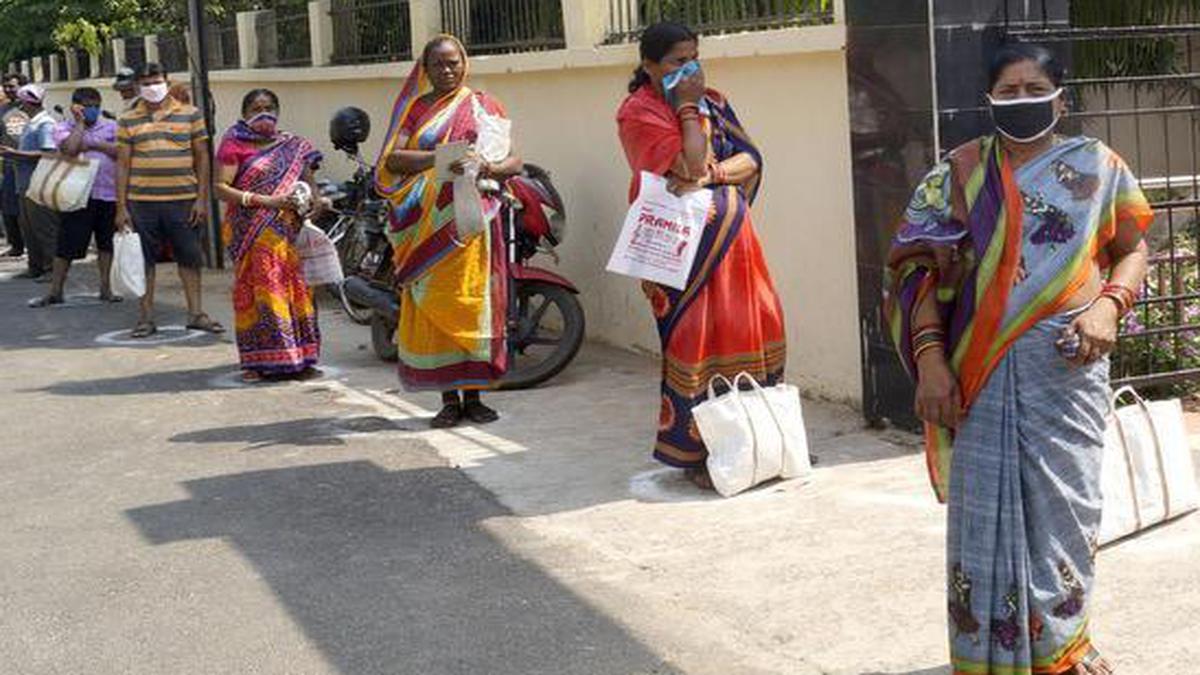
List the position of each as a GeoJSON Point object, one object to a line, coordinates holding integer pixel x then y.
{"type": "Point", "coordinates": [128, 274]}
{"type": "Point", "coordinates": [752, 436]}
{"type": "Point", "coordinates": [319, 260]}
{"type": "Point", "coordinates": [661, 234]}
{"type": "Point", "coordinates": [1148, 476]}
{"type": "Point", "coordinates": [63, 184]}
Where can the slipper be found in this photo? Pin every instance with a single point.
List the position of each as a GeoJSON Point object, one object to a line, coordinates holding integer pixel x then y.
{"type": "Point", "coordinates": [111, 298]}
{"type": "Point", "coordinates": [46, 301]}
{"type": "Point", "coordinates": [205, 323]}
{"type": "Point", "coordinates": [251, 377]}
{"type": "Point", "coordinates": [450, 416]}
{"type": "Point", "coordinates": [143, 329]}
{"type": "Point", "coordinates": [699, 477]}
{"type": "Point", "coordinates": [479, 413]}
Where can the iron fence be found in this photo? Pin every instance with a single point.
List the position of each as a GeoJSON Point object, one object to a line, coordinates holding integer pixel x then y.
{"type": "Point", "coordinates": [83, 63]}
{"type": "Point", "coordinates": [223, 52]}
{"type": "Point", "coordinates": [1141, 95]}
{"type": "Point", "coordinates": [108, 66]}
{"type": "Point", "coordinates": [505, 26]}
{"type": "Point", "coordinates": [173, 53]}
{"type": "Point", "coordinates": [283, 38]}
{"type": "Point", "coordinates": [628, 18]}
{"type": "Point", "coordinates": [135, 52]}
{"type": "Point", "coordinates": [367, 31]}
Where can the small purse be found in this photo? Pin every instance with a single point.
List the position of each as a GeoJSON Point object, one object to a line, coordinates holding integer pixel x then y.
{"type": "Point", "coordinates": [63, 184]}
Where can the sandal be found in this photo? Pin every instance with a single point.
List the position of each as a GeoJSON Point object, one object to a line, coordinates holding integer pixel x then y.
{"type": "Point", "coordinates": [46, 301]}
{"type": "Point", "coordinates": [143, 329]}
{"type": "Point", "coordinates": [251, 377]}
{"type": "Point", "coordinates": [1094, 663]}
{"type": "Point", "coordinates": [205, 323]}
{"type": "Point", "coordinates": [699, 477]}
{"type": "Point", "coordinates": [479, 413]}
{"type": "Point", "coordinates": [109, 297]}
{"type": "Point", "coordinates": [309, 373]}
{"type": "Point", "coordinates": [450, 416]}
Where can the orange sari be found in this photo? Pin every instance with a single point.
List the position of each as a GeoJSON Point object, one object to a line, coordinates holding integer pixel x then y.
{"type": "Point", "coordinates": [728, 319]}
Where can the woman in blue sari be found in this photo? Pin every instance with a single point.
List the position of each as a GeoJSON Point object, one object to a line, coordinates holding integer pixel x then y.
{"type": "Point", "coordinates": [1018, 257]}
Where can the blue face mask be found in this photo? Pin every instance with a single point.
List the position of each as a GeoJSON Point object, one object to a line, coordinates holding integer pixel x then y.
{"type": "Point", "coordinates": [672, 80]}
{"type": "Point", "coordinates": [91, 113]}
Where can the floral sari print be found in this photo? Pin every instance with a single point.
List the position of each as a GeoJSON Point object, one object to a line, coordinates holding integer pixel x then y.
{"type": "Point", "coordinates": [728, 319]}
{"type": "Point", "coordinates": [453, 294]}
{"type": "Point", "coordinates": [276, 321]}
{"type": "Point", "coordinates": [1004, 251]}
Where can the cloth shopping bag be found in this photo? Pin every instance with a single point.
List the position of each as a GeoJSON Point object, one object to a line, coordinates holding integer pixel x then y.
{"type": "Point", "coordinates": [752, 435]}
{"type": "Point", "coordinates": [128, 273]}
{"type": "Point", "coordinates": [63, 184]}
{"type": "Point", "coordinates": [1147, 476]}
{"type": "Point", "coordinates": [319, 260]}
{"type": "Point", "coordinates": [661, 234]}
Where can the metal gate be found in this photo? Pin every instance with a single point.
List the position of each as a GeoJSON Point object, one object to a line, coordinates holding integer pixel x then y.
{"type": "Point", "coordinates": [1135, 84]}
{"type": "Point", "coordinates": [1136, 88]}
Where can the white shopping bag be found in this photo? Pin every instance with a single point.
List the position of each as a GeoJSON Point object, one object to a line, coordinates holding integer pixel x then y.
{"type": "Point", "coordinates": [661, 234]}
{"type": "Point", "coordinates": [1147, 476]}
{"type": "Point", "coordinates": [319, 260]}
{"type": "Point", "coordinates": [468, 204]}
{"type": "Point", "coordinates": [493, 141]}
{"type": "Point", "coordinates": [752, 436]}
{"type": "Point", "coordinates": [128, 275]}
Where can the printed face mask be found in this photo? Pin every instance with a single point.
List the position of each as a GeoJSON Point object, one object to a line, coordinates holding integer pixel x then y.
{"type": "Point", "coordinates": [263, 123]}
{"type": "Point", "coordinates": [1025, 120]}
{"type": "Point", "coordinates": [154, 93]}
{"type": "Point", "coordinates": [91, 113]}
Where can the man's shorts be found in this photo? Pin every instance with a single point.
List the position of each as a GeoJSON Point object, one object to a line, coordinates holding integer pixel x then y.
{"type": "Point", "coordinates": [160, 222]}
{"type": "Point", "coordinates": [77, 227]}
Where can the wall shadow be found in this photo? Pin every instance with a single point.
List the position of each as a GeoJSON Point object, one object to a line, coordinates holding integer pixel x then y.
{"type": "Point", "coordinates": [307, 431]}
{"type": "Point", "coordinates": [391, 571]}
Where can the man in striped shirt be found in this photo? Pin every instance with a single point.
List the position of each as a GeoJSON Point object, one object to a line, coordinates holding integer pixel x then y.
{"type": "Point", "coordinates": [162, 189]}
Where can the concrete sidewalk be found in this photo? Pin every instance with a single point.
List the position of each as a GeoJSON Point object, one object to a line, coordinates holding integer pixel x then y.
{"type": "Point", "coordinates": [162, 517]}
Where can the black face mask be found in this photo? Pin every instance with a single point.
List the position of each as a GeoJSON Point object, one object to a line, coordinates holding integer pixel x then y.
{"type": "Point", "coordinates": [1025, 120]}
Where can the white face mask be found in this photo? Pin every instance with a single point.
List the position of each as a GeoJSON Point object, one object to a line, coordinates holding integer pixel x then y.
{"type": "Point", "coordinates": [154, 93]}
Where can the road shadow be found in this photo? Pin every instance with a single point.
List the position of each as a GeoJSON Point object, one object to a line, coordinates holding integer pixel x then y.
{"type": "Point", "coordinates": [394, 572]}
{"type": "Point", "coordinates": [308, 431]}
{"type": "Point", "coordinates": [223, 376]}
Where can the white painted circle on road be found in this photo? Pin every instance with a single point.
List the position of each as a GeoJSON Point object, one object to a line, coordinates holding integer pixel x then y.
{"type": "Point", "coordinates": [233, 379]}
{"type": "Point", "coordinates": [165, 335]}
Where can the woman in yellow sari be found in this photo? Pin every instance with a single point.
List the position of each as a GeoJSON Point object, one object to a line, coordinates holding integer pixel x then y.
{"type": "Point", "coordinates": [453, 289]}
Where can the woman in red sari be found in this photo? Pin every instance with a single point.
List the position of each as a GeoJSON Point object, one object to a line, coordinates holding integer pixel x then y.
{"type": "Point", "coordinates": [728, 319]}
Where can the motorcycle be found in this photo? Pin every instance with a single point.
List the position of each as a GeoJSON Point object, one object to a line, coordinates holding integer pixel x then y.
{"type": "Point", "coordinates": [546, 324]}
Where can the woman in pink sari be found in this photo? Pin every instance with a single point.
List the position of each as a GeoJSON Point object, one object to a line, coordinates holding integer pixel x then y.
{"type": "Point", "coordinates": [259, 167]}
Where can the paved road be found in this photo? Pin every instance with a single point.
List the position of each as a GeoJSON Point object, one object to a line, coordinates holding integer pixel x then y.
{"type": "Point", "coordinates": [158, 517]}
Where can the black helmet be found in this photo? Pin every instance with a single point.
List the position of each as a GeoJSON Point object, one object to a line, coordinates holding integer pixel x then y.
{"type": "Point", "coordinates": [349, 127]}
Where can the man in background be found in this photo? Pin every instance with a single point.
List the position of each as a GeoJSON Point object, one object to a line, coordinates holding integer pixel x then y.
{"type": "Point", "coordinates": [162, 190]}
{"type": "Point", "coordinates": [126, 86]}
{"type": "Point", "coordinates": [39, 225]}
{"type": "Point", "coordinates": [12, 124]}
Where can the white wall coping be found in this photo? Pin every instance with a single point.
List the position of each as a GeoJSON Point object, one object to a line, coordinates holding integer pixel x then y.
{"type": "Point", "coordinates": [799, 40]}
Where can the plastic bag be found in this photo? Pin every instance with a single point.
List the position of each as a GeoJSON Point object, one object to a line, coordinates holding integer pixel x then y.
{"type": "Point", "coordinates": [318, 256]}
{"type": "Point", "coordinates": [661, 234]}
{"type": "Point", "coordinates": [128, 276]}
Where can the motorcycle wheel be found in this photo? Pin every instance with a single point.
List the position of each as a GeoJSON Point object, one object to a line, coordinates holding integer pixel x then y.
{"type": "Point", "coordinates": [548, 335]}
{"type": "Point", "coordinates": [359, 314]}
{"type": "Point", "coordinates": [383, 338]}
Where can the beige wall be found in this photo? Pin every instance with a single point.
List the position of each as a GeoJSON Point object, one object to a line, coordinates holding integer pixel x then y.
{"type": "Point", "coordinates": [793, 104]}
